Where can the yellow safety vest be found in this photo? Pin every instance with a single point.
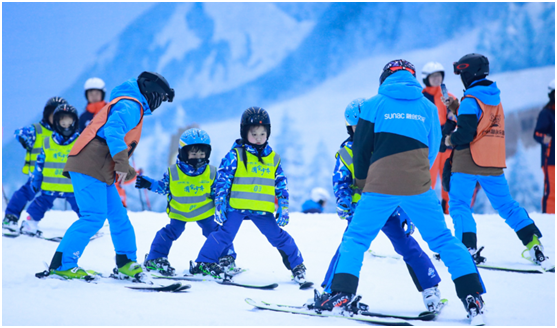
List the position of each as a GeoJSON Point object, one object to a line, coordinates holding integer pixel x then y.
{"type": "Point", "coordinates": [254, 188]}
{"type": "Point", "coordinates": [41, 133]}
{"type": "Point", "coordinates": [346, 156]}
{"type": "Point", "coordinates": [55, 159]}
{"type": "Point", "coordinates": [190, 197]}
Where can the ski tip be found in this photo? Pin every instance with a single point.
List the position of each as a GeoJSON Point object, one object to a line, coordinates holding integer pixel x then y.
{"type": "Point", "coordinates": [306, 285]}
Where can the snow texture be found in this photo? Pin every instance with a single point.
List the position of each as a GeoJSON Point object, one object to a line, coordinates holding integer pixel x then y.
{"type": "Point", "coordinates": [512, 299]}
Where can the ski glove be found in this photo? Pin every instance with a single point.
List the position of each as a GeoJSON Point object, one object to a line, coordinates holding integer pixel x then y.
{"type": "Point", "coordinates": [23, 143]}
{"type": "Point", "coordinates": [282, 215]}
{"type": "Point", "coordinates": [344, 209]}
{"type": "Point", "coordinates": [143, 182]}
{"type": "Point", "coordinates": [220, 209]}
{"type": "Point", "coordinates": [405, 223]}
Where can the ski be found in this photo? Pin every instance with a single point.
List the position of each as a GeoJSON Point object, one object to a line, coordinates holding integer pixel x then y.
{"type": "Point", "coordinates": [176, 287]}
{"type": "Point", "coordinates": [302, 310]}
{"type": "Point", "coordinates": [383, 256]}
{"type": "Point", "coordinates": [306, 285]}
{"type": "Point", "coordinates": [424, 316]}
{"type": "Point", "coordinates": [509, 269]}
{"type": "Point", "coordinates": [219, 281]}
{"type": "Point", "coordinates": [53, 239]}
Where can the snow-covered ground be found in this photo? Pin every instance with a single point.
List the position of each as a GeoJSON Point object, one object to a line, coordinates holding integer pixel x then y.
{"type": "Point", "coordinates": [512, 299]}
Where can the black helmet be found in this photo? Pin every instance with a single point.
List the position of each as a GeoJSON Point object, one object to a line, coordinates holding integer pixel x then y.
{"type": "Point", "coordinates": [50, 106]}
{"type": "Point", "coordinates": [471, 67]}
{"type": "Point", "coordinates": [395, 66]}
{"type": "Point", "coordinates": [254, 116]}
{"type": "Point", "coordinates": [155, 89]}
{"type": "Point", "coordinates": [59, 112]}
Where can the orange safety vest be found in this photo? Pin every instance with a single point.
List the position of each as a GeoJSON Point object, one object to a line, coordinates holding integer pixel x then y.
{"type": "Point", "coordinates": [488, 147]}
{"type": "Point", "coordinates": [131, 138]}
{"type": "Point", "coordinates": [436, 93]}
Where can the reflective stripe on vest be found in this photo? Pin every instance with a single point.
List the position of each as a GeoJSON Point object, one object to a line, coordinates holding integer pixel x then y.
{"type": "Point", "coordinates": [31, 156]}
{"type": "Point", "coordinates": [254, 188]}
{"type": "Point", "coordinates": [488, 147]}
{"type": "Point", "coordinates": [346, 156]}
{"type": "Point", "coordinates": [190, 196]}
{"type": "Point", "coordinates": [55, 159]}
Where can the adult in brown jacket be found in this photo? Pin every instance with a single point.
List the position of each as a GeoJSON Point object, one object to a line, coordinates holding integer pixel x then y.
{"type": "Point", "coordinates": [98, 159]}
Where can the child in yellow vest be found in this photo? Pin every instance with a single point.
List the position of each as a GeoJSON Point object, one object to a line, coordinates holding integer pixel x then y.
{"type": "Point", "coordinates": [47, 176]}
{"type": "Point", "coordinates": [189, 185]}
{"type": "Point", "coordinates": [248, 179]}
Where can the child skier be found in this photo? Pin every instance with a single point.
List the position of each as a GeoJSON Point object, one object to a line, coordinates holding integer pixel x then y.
{"type": "Point", "coordinates": [31, 138]}
{"type": "Point", "coordinates": [47, 175]}
{"type": "Point", "coordinates": [189, 185]}
{"type": "Point", "coordinates": [419, 265]}
{"type": "Point", "coordinates": [248, 179]}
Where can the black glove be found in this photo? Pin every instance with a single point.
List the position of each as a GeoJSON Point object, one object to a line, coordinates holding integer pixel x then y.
{"type": "Point", "coordinates": [23, 143]}
{"type": "Point", "coordinates": [142, 182]}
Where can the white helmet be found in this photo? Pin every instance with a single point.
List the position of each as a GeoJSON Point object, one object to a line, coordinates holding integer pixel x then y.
{"type": "Point", "coordinates": [319, 194]}
{"type": "Point", "coordinates": [551, 86]}
{"type": "Point", "coordinates": [95, 83]}
{"type": "Point", "coordinates": [431, 68]}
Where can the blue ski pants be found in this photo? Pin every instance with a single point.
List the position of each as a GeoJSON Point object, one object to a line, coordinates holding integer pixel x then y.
{"type": "Point", "coordinates": [423, 272]}
{"type": "Point", "coordinates": [172, 231]}
{"type": "Point", "coordinates": [97, 201]}
{"type": "Point", "coordinates": [372, 214]}
{"type": "Point", "coordinates": [20, 198]}
{"type": "Point", "coordinates": [497, 191]}
{"type": "Point", "coordinates": [224, 236]}
{"type": "Point", "coordinates": [43, 203]}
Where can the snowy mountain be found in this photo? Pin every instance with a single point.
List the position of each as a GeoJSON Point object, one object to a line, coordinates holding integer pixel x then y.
{"type": "Point", "coordinates": [304, 62]}
{"type": "Point", "coordinates": [512, 299]}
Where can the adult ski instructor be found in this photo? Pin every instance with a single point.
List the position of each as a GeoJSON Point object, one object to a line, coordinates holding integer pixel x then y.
{"type": "Point", "coordinates": [98, 159]}
{"type": "Point", "coordinates": [395, 144]}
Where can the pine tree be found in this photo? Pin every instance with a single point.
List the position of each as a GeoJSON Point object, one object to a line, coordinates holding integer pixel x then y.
{"type": "Point", "coordinates": [524, 188]}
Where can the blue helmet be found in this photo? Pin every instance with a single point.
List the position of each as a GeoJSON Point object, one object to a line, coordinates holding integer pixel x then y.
{"type": "Point", "coordinates": [352, 111]}
{"type": "Point", "coordinates": [194, 139]}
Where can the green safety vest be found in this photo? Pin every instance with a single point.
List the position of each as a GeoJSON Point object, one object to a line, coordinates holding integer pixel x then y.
{"type": "Point", "coordinates": [55, 159]}
{"type": "Point", "coordinates": [346, 156]}
{"type": "Point", "coordinates": [41, 133]}
{"type": "Point", "coordinates": [190, 197]}
{"type": "Point", "coordinates": [254, 188]}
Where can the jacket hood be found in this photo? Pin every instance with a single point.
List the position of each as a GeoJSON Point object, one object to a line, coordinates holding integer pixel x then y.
{"type": "Point", "coordinates": [401, 85]}
{"type": "Point", "coordinates": [131, 89]}
{"type": "Point", "coordinates": [489, 95]}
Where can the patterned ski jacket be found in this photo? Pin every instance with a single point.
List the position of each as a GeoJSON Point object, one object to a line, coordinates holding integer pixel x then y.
{"type": "Point", "coordinates": [29, 135]}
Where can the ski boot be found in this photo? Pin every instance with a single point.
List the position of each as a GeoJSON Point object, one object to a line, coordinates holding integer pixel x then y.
{"type": "Point", "coordinates": [73, 273]}
{"type": "Point", "coordinates": [299, 274]}
{"type": "Point", "coordinates": [208, 269]}
{"type": "Point", "coordinates": [30, 227]}
{"type": "Point", "coordinates": [159, 265]}
{"type": "Point", "coordinates": [474, 305]}
{"type": "Point", "coordinates": [127, 269]}
{"type": "Point", "coordinates": [534, 253]}
{"type": "Point", "coordinates": [228, 265]}
{"type": "Point", "coordinates": [476, 256]}
{"type": "Point", "coordinates": [9, 225]}
{"type": "Point", "coordinates": [432, 298]}
{"type": "Point", "coordinates": [337, 301]}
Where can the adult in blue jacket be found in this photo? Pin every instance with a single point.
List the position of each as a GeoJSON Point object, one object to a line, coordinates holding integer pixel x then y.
{"type": "Point", "coordinates": [396, 142]}
{"type": "Point", "coordinates": [97, 160]}
{"type": "Point", "coordinates": [479, 156]}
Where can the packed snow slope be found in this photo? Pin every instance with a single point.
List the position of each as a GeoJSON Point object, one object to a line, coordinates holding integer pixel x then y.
{"type": "Point", "coordinates": [512, 299]}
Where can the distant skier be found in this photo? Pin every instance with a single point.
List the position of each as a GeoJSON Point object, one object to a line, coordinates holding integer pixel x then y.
{"type": "Point", "coordinates": [544, 133]}
{"type": "Point", "coordinates": [398, 227]}
{"type": "Point", "coordinates": [396, 142]}
{"type": "Point", "coordinates": [479, 156]}
{"type": "Point", "coordinates": [31, 138]}
{"type": "Point", "coordinates": [248, 179]}
{"type": "Point", "coordinates": [97, 160]}
{"type": "Point", "coordinates": [47, 176]}
{"type": "Point", "coordinates": [189, 185]}
{"type": "Point", "coordinates": [319, 198]}
{"type": "Point", "coordinates": [433, 75]}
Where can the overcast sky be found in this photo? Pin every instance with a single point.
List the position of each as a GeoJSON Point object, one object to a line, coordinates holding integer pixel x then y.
{"type": "Point", "coordinates": [45, 46]}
